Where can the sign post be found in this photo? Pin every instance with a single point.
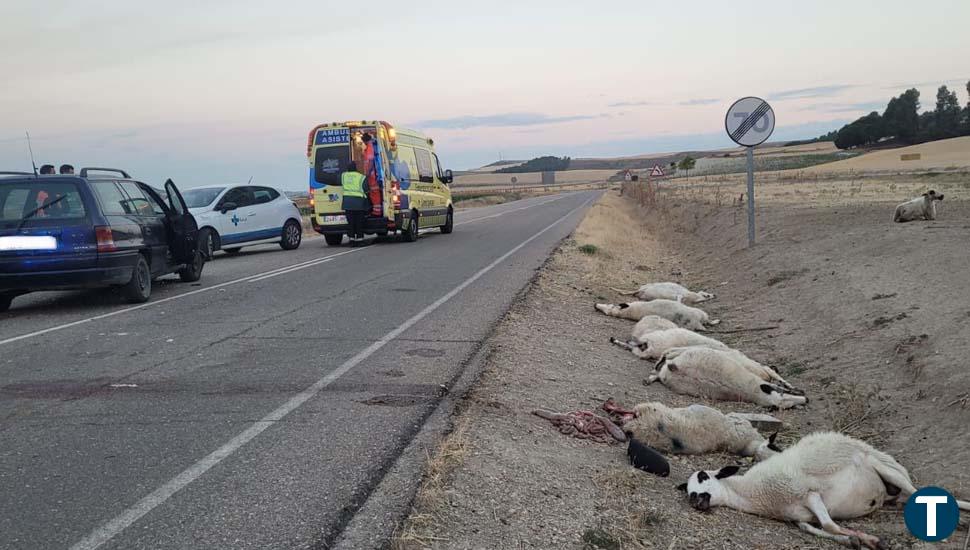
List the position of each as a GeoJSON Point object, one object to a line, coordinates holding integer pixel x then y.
{"type": "Point", "coordinates": [749, 123]}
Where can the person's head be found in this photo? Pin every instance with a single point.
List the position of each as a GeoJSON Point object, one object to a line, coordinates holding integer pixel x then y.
{"type": "Point", "coordinates": [351, 166]}
{"type": "Point", "coordinates": [366, 137]}
{"type": "Point", "coordinates": [67, 169]}
{"type": "Point", "coordinates": [47, 169]}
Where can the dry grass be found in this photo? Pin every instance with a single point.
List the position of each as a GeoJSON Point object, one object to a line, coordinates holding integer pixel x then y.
{"type": "Point", "coordinates": [637, 521]}
{"type": "Point", "coordinates": [611, 243]}
{"type": "Point", "coordinates": [417, 530]}
{"type": "Point", "coordinates": [942, 154]}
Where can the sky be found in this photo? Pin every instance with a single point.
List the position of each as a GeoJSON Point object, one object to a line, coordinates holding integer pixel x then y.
{"type": "Point", "coordinates": [219, 91]}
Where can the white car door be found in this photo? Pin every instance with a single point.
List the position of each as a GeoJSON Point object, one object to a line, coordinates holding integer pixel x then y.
{"type": "Point", "coordinates": [236, 226]}
{"type": "Point", "coordinates": [266, 212]}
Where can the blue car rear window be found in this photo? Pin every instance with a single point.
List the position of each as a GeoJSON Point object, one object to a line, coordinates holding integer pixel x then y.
{"type": "Point", "coordinates": [37, 200]}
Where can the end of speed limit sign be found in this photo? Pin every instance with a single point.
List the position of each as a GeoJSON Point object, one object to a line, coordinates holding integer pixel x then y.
{"type": "Point", "coordinates": [750, 121]}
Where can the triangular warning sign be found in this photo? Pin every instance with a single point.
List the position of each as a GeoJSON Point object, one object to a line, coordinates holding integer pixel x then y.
{"type": "Point", "coordinates": [657, 171]}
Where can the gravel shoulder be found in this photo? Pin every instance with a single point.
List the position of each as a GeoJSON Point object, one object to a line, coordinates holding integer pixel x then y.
{"type": "Point", "coordinates": [871, 322]}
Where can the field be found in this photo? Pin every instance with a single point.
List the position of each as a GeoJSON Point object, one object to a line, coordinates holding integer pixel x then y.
{"type": "Point", "coordinates": [947, 154]}
{"type": "Point", "coordinates": [867, 316]}
{"type": "Point", "coordinates": [484, 180]}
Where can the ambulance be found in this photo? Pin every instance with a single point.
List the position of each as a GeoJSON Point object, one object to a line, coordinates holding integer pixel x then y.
{"type": "Point", "coordinates": [408, 190]}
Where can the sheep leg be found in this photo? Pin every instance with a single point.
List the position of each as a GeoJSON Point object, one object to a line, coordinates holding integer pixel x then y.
{"type": "Point", "coordinates": [818, 508]}
{"type": "Point", "coordinates": [844, 540]}
{"type": "Point", "coordinates": [624, 292]}
{"type": "Point", "coordinates": [617, 342]}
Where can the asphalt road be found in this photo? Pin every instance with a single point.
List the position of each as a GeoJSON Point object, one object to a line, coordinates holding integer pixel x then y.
{"type": "Point", "coordinates": [259, 408]}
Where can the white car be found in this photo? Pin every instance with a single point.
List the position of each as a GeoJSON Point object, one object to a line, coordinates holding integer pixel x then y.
{"type": "Point", "coordinates": [233, 216]}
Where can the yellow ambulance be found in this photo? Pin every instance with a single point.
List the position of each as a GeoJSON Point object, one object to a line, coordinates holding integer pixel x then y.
{"type": "Point", "coordinates": [407, 188]}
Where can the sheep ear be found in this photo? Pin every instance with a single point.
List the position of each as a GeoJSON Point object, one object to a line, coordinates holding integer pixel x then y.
{"type": "Point", "coordinates": [682, 487]}
{"type": "Point", "coordinates": [727, 471]}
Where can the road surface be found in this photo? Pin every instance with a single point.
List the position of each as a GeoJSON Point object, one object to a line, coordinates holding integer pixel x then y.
{"type": "Point", "coordinates": [260, 407]}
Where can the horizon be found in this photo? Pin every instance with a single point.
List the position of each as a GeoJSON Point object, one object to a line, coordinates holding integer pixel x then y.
{"type": "Point", "coordinates": [221, 92]}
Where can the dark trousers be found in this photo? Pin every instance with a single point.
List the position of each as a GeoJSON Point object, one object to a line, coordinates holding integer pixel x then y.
{"type": "Point", "coordinates": [355, 218]}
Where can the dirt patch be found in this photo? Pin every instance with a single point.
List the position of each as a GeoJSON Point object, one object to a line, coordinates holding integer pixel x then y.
{"type": "Point", "coordinates": [888, 370]}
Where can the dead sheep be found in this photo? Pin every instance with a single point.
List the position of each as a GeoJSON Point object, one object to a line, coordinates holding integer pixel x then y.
{"type": "Point", "coordinates": [720, 375]}
{"type": "Point", "coordinates": [667, 291]}
{"type": "Point", "coordinates": [824, 477]}
{"type": "Point", "coordinates": [696, 429]}
{"type": "Point", "coordinates": [648, 324]}
{"type": "Point", "coordinates": [920, 208]}
{"type": "Point", "coordinates": [654, 344]}
{"type": "Point", "coordinates": [683, 315]}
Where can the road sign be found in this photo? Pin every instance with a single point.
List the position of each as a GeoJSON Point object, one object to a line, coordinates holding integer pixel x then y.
{"type": "Point", "coordinates": [750, 121]}
{"type": "Point", "coordinates": [657, 171]}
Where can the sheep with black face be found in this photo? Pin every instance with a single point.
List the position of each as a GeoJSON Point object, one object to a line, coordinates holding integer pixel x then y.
{"type": "Point", "coordinates": [824, 477]}
{"type": "Point", "coordinates": [920, 208]}
{"type": "Point", "coordinates": [725, 375]}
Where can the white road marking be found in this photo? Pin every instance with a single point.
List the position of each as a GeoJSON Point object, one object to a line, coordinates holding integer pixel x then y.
{"type": "Point", "coordinates": [510, 211]}
{"type": "Point", "coordinates": [121, 522]}
{"type": "Point", "coordinates": [163, 300]}
{"type": "Point", "coordinates": [249, 278]}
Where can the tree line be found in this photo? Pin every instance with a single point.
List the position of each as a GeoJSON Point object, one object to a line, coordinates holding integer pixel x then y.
{"type": "Point", "coordinates": [538, 164]}
{"type": "Point", "coordinates": [902, 121]}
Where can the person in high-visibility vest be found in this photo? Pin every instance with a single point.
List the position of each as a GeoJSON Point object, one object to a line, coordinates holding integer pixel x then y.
{"type": "Point", "coordinates": [355, 203]}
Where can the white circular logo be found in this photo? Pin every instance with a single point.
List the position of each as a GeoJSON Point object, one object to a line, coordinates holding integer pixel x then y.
{"type": "Point", "coordinates": [750, 121]}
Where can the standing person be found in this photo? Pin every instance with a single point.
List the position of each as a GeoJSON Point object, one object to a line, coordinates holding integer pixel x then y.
{"type": "Point", "coordinates": [355, 202]}
{"type": "Point", "coordinates": [67, 169]}
{"type": "Point", "coordinates": [373, 188]}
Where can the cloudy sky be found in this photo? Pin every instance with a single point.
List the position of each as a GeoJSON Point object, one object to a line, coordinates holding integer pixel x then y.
{"type": "Point", "coordinates": [218, 91]}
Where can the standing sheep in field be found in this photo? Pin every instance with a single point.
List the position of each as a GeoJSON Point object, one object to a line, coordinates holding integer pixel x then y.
{"type": "Point", "coordinates": [920, 208]}
{"type": "Point", "coordinates": [718, 374]}
{"type": "Point", "coordinates": [667, 291]}
{"type": "Point", "coordinates": [824, 477]}
{"type": "Point", "coordinates": [655, 344]}
{"type": "Point", "coordinates": [697, 429]}
{"type": "Point", "coordinates": [684, 316]}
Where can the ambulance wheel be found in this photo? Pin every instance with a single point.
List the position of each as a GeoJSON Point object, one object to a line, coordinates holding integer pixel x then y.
{"type": "Point", "coordinates": [449, 225]}
{"type": "Point", "coordinates": [334, 239]}
{"type": "Point", "coordinates": [411, 233]}
{"type": "Point", "coordinates": [6, 299]}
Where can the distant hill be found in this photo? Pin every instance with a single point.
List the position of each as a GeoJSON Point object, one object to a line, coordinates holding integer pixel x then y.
{"type": "Point", "coordinates": [499, 163]}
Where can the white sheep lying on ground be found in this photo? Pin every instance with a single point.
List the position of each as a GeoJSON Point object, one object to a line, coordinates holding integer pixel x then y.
{"type": "Point", "coordinates": [697, 429]}
{"type": "Point", "coordinates": [667, 291]}
{"type": "Point", "coordinates": [824, 477]}
{"type": "Point", "coordinates": [654, 344]}
{"type": "Point", "coordinates": [684, 316]}
{"type": "Point", "coordinates": [721, 375]}
{"type": "Point", "coordinates": [648, 324]}
{"type": "Point", "coordinates": [920, 208]}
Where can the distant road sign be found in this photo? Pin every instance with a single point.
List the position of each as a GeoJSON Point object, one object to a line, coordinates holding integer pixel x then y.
{"type": "Point", "coordinates": [750, 121]}
{"type": "Point", "coordinates": [657, 171]}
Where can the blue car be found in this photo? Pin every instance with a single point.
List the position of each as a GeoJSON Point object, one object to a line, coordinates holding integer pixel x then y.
{"type": "Point", "coordinates": [98, 229]}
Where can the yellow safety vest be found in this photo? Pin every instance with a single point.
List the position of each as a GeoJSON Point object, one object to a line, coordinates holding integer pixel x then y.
{"type": "Point", "coordinates": [353, 184]}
